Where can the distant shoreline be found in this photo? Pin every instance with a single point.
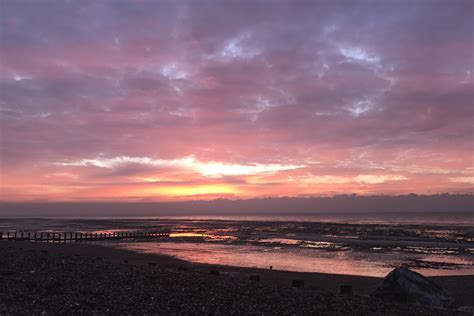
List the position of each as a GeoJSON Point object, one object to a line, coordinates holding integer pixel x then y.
{"type": "Point", "coordinates": [350, 203]}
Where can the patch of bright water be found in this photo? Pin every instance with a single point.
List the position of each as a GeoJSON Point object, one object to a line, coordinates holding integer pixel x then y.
{"type": "Point", "coordinates": [290, 259]}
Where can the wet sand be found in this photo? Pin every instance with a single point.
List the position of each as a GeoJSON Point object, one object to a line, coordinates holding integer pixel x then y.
{"type": "Point", "coordinates": [97, 262]}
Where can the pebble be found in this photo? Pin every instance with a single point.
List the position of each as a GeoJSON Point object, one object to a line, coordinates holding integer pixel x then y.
{"type": "Point", "coordinates": [82, 285]}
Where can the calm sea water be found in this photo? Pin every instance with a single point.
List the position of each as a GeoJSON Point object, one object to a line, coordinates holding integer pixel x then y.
{"type": "Point", "coordinates": [357, 244]}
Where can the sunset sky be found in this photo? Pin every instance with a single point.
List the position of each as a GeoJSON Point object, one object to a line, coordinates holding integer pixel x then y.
{"type": "Point", "coordinates": [178, 100]}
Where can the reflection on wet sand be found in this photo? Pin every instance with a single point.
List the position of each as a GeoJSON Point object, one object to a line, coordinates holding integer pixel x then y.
{"type": "Point", "coordinates": [437, 245]}
{"type": "Point", "coordinates": [294, 259]}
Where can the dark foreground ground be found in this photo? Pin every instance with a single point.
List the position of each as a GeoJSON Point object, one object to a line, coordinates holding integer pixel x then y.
{"type": "Point", "coordinates": [66, 279]}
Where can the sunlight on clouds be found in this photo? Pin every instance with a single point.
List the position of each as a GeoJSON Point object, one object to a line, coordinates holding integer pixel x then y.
{"type": "Point", "coordinates": [213, 169]}
{"type": "Point", "coordinates": [358, 55]}
{"type": "Point", "coordinates": [63, 175]}
{"type": "Point", "coordinates": [469, 180]}
{"type": "Point", "coordinates": [376, 179]}
{"type": "Point", "coordinates": [361, 179]}
{"type": "Point", "coordinates": [239, 47]}
{"type": "Point", "coordinates": [358, 108]}
{"type": "Point", "coordinates": [173, 72]}
{"type": "Point", "coordinates": [208, 169]}
{"type": "Point", "coordinates": [326, 179]}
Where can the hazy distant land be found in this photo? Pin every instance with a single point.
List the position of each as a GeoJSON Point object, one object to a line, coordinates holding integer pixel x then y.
{"type": "Point", "coordinates": [450, 203]}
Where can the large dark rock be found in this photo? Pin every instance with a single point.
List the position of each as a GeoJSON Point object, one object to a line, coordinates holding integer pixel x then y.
{"type": "Point", "coordinates": [406, 286]}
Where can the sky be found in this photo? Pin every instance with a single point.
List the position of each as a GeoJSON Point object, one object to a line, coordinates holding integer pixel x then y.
{"type": "Point", "coordinates": [177, 100]}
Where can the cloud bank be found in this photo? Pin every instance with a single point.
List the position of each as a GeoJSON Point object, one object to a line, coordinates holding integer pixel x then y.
{"type": "Point", "coordinates": [161, 100]}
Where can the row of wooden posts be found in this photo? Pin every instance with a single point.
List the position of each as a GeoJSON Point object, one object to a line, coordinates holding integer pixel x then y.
{"type": "Point", "coordinates": [74, 236]}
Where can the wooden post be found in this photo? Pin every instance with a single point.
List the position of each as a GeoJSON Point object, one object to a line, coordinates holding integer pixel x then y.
{"type": "Point", "coordinates": [28, 236]}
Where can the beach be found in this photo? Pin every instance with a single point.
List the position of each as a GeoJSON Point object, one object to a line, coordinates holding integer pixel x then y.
{"type": "Point", "coordinates": [73, 278]}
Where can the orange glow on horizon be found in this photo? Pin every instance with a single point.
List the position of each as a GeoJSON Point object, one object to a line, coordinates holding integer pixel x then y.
{"type": "Point", "coordinates": [191, 190]}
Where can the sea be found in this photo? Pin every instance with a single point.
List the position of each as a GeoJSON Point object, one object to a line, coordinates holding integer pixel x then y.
{"type": "Point", "coordinates": [434, 244]}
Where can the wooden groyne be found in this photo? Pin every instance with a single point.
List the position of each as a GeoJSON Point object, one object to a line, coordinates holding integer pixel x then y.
{"type": "Point", "coordinates": [75, 236]}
